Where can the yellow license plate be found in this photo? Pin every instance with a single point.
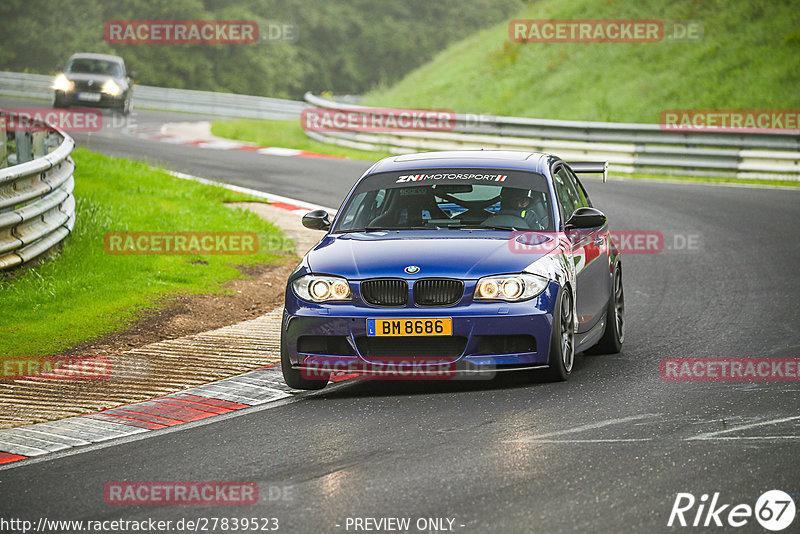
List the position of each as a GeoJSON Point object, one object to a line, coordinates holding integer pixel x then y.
{"type": "Point", "coordinates": [442, 326]}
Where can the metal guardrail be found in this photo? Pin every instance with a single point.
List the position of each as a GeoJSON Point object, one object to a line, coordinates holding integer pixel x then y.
{"type": "Point", "coordinates": [627, 147]}
{"type": "Point", "coordinates": [185, 100]}
{"type": "Point", "coordinates": [37, 208]}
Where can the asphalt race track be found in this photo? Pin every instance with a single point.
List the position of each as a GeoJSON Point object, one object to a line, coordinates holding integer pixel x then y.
{"type": "Point", "coordinates": [607, 451]}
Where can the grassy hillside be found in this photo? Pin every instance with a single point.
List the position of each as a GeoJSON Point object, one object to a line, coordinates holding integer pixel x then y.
{"type": "Point", "coordinates": [749, 58]}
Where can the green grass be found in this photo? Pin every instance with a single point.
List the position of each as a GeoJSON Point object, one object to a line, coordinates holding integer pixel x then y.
{"type": "Point", "coordinates": [285, 134]}
{"type": "Point", "coordinates": [712, 179]}
{"type": "Point", "coordinates": [84, 292]}
{"type": "Point", "coordinates": [748, 59]}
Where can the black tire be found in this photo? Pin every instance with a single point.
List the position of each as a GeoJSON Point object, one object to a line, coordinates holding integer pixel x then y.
{"type": "Point", "coordinates": [124, 107]}
{"type": "Point", "coordinates": [614, 335]}
{"type": "Point", "coordinates": [562, 339]}
{"type": "Point", "coordinates": [58, 102]}
{"type": "Point", "coordinates": [294, 378]}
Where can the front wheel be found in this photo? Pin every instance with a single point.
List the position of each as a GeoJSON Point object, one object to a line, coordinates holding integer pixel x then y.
{"type": "Point", "coordinates": [59, 101]}
{"type": "Point", "coordinates": [294, 377]}
{"type": "Point", "coordinates": [562, 339]}
{"type": "Point", "coordinates": [125, 107]}
{"type": "Point", "coordinates": [614, 336]}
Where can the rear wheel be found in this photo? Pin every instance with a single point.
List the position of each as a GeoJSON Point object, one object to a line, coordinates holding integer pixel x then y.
{"type": "Point", "coordinates": [562, 339]}
{"type": "Point", "coordinates": [294, 377]}
{"type": "Point", "coordinates": [614, 336]}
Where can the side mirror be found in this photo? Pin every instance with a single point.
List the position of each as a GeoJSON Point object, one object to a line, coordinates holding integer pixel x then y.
{"type": "Point", "coordinates": [317, 220]}
{"type": "Point", "coordinates": [132, 75]}
{"type": "Point", "coordinates": [584, 218]}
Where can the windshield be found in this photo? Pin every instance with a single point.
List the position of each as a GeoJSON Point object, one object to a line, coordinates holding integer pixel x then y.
{"type": "Point", "coordinates": [433, 199]}
{"type": "Point", "coordinates": [94, 66]}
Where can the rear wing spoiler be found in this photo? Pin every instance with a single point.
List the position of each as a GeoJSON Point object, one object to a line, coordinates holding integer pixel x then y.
{"type": "Point", "coordinates": [590, 167]}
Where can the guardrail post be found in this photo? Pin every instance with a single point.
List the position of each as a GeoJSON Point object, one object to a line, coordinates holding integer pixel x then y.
{"type": "Point", "coordinates": [24, 148]}
{"type": "Point", "coordinates": [51, 141]}
{"type": "Point", "coordinates": [37, 142]}
{"type": "Point", "coordinates": [3, 143]}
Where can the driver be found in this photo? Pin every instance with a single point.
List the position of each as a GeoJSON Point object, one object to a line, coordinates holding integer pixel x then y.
{"type": "Point", "coordinates": [516, 202]}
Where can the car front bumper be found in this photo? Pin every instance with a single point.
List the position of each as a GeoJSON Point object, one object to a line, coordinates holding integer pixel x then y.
{"type": "Point", "coordinates": [486, 336]}
{"type": "Point", "coordinates": [71, 98]}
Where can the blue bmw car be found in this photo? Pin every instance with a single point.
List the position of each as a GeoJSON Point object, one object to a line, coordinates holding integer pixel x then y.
{"type": "Point", "coordinates": [449, 264]}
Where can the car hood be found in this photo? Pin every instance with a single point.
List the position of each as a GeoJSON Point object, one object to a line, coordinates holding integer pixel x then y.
{"type": "Point", "coordinates": [445, 253]}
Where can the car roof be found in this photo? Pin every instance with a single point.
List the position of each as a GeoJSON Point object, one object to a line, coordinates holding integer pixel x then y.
{"type": "Point", "coordinates": [106, 57]}
{"type": "Point", "coordinates": [472, 159]}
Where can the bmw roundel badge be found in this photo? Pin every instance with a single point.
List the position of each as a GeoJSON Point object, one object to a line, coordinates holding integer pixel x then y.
{"type": "Point", "coordinates": [412, 269]}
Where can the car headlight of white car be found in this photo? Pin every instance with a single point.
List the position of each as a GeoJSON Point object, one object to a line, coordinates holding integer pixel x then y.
{"type": "Point", "coordinates": [317, 288]}
{"type": "Point", "coordinates": [510, 287]}
{"type": "Point", "coordinates": [62, 83]}
{"type": "Point", "coordinates": [111, 88]}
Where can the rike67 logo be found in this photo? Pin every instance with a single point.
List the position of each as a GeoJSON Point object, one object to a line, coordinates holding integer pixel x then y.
{"type": "Point", "coordinates": [774, 510]}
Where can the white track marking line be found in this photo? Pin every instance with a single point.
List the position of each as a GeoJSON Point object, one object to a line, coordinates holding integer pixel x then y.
{"type": "Point", "coordinates": [278, 151]}
{"type": "Point", "coordinates": [581, 428]}
{"type": "Point", "coordinates": [714, 435]}
{"type": "Point", "coordinates": [752, 438]}
{"type": "Point", "coordinates": [619, 440]}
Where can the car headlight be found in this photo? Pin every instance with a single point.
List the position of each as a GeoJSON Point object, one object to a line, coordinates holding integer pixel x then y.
{"type": "Point", "coordinates": [510, 287]}
{"type": "Point", "coordinates": [111, 88]}
{"type": "Point", "coordinates": [318, 288]}
{"type": "Point", "coordinates": [61, 83]}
